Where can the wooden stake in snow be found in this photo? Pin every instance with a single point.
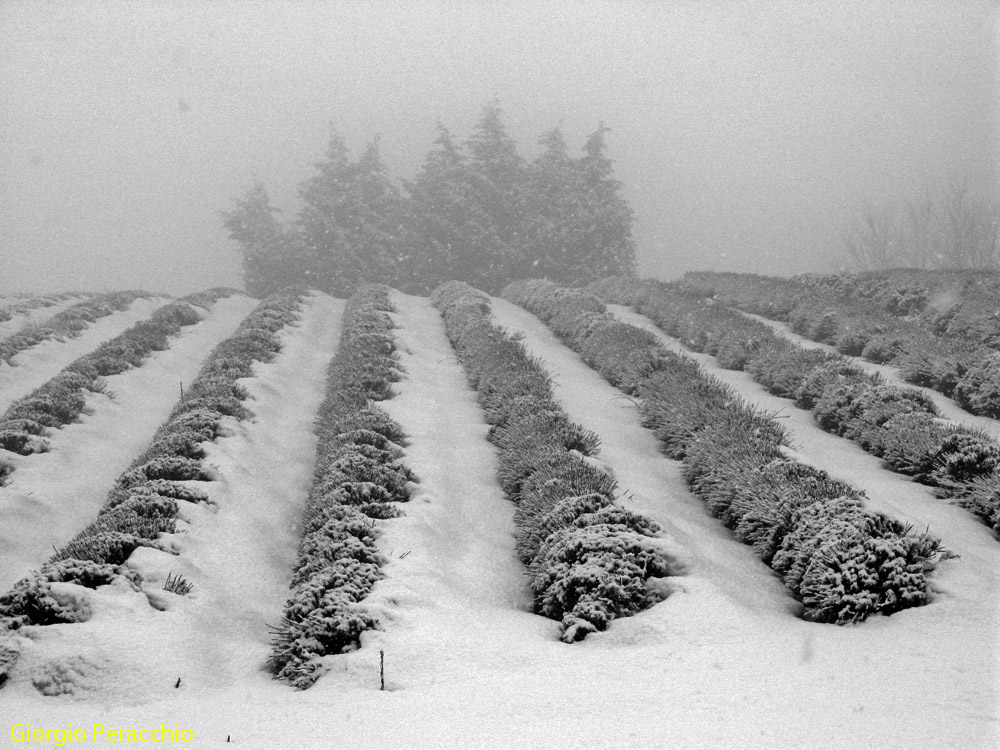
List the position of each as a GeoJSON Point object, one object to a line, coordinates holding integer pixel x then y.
{"type": "Point", "coordinates": [381, 668]}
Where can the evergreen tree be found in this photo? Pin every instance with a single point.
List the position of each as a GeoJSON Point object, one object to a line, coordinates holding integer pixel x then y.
{"type": "Point", "coordinates": [445, 230]}
{"type": "Point", "coordinates": [556, 184]}
{"type": "Point", "coordinates": [319, 220]}
{"type": "Point", "coordinates": [268, 258]}
{"type": "Point", "coordinates": [482, 215]}
{"type": "Point", "coordinates": [349, 220]}
{"type": "Point", "coordinates": [501, 190]}
{"type": "Point", "coordinates": [607, 246]}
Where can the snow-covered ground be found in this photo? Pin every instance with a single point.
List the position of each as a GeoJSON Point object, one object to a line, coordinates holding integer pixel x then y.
{"type": "Point", "coordinates": [948, 407]}
{"type": "Point", "coordinates": [53, 495]}
{"type": "Point", "coordinates": [32, 316]}
{"type": "Point", "coordinates": [32, 367]}
{"type": "Point", "coordinates": [722, 663]}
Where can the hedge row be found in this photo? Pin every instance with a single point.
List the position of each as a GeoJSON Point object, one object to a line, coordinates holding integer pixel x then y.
{"type": "Point", "coordinates": [68, 323]}
{"type": "Point", "coordinates": [898, 425]}
{"type": "Point", "coordinates": [842, 562]}
{"type": "Point", "coordinates": [950, 303]}
{"type": "Point", "coordinates": [923, 351]}
{"type": "Point", "coordinates": [144, 500]}
{"type": "Point", "coordinates": [357, 479]}
{"type": "Point", "coordinates": [588, 559]}
{"type": "Point", "coordinates": [19, 305]}
{"type": "Point", "coordinates": [61, 400]}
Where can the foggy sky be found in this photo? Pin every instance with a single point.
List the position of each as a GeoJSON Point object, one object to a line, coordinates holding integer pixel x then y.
{"type": "Point", "coordinates": [746, 132]}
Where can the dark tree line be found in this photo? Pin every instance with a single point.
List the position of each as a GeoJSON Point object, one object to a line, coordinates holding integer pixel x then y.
{"type": "Point", "coordinates": [476, 211]}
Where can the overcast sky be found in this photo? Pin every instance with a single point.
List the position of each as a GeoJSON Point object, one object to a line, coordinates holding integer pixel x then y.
{"type": "Point", "coordinates": [747, 133]}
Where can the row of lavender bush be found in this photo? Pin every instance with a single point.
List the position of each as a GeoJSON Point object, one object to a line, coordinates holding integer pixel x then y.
{"type": "Point", "coordinates": [68, 323]}
{"type": "Point", "coordinates": [144, 500]}
{"type": "Point", "coordinates": [899, 425]}
{"type": "Point", "coordinates": [61, 400]}
{"type": "Point", "coordinates": [16, 305]}
{"type": "Point", "coordinates": [842, 562]}
{"type": "Point", "coordinates": [950, 303]}
{"type": "Point", "coordinates": [588, 558]}
{"type": "Point", "coordinates": [920, 348]}
{"type": "Point", "coordinates": [357, 478]}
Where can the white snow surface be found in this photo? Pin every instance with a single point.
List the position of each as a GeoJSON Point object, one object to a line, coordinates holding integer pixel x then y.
{"type": "Point", "coordinates": [723, 662]}
{"type": "Point", "coordinates": [949, 408]}
{"type": "Point", "coordinates": [29, 369]}
{"type": "Point", "coordinates": [34, 315]}
{"type": "Point", "coordinates": [51, 496]}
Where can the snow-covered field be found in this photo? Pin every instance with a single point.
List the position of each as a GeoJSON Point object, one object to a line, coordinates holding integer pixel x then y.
{"type": "Point", "coordinates": [31, 316]}
{"type": "Point", "coordinates": [723, 662]}
{"type": "Point", "coordinates": [32, 367]}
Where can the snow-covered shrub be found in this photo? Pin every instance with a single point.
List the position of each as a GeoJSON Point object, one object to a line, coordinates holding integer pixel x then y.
{"type": "Point", "coordinates": [840, 561]}
{"type": "Point", "coordinates": [328, 546]}
{"type": "Point", "coordinates": [29, 426]}
{"type": "Point", "coordinates": [183, 444]}
{"type": "Point", "coordinates": [782, 367]}
{"type": "Point", "coordinates": [143, 503]}
{"type": "Point", "coordinates": [963, 455]}
{"type": "Point", "coordinates": [141, 515]}
{"type": "Point", "coordinates": [854, 336]}
{"type": "Point", "coordinates": [163, 487]}
{"type": "Point", "coordinates": [546, 510]}
{"type": "Point", "coordinates": [553, 495]}
{"type": "Point", "coordinates": [49, 406]}
{"type": "Point", "coordinates": [825, 377]}
{"type": "Point", "coordinates": [373, 419]}
{"type": "Point", "coordinates": [885, 346]}
{"type": "Point", "coordinates": [745, 481]}
{"type": "Point", "coordinates": [31, 601]}
{"type": "Point", "coordinates": [23, 443]}
{"type": "Point", "coordinates": [880, 567]}
{"type": "Point", "coordinates": [548, 426]}
{"type": "Point", "coordinates": [933, 363]}
{"type": "Point", "coordinates": [166, 467]}
{"type": "Point", "coordinates": [588, 576]}
{"type": "Point", "coordinates": [62, 399]}
{"type": "Point", "coordinates": [982, 497]}
{"type": "Point", "coordinates": [907, 443]}
{"type": "Point", "coordinates": [737, 346]}
{"type": "Point", "coordinates": [350, 466]}
{"type": "Point", "coordinates": [542, 466]}
{"type": "Point", "coordinates": [853, 408]}
{"type": "Point", "coordinates": [876, 406]}
{"type": "Point", "coordinates": [68, 323]}
{"type": "Point", "coordinates": [624, 355]}
{"type": "Point", "coordinates": [200, 424]}
{"type": "Point", "coordinates": [112, 547]}
{"type": "Point", "coordinates": [223, 405]}
{"type": "Point", "coordinates": [617, 290]}
{"type": "Point", "coordinates": [357, 478]}
{"type": "Point", "coordinates": [332, 625]}
{"type": "Point", "coordinates": [551, 301]}
{"type": "Point", "coordinates": [978, 389]}
{"type": "Point", "coordinates": [812, 526]}
{"type": "Point", "coordinates": [844, 399]}
{"type": "Point", "coordinates": [679, 401]}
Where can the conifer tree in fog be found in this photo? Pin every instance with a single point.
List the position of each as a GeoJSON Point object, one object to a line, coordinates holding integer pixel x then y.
{"type": "Point", "coordinates": [501, 189]}
{"type": "Point", "coordinates": [582, 226]}
{"type": "Point", "coordinates": [445, 231]}
{"type": "Point", "coordinates": [557, 185]}
{"type": "Point", "coordinates": [606, 246]}
{"type": "Point", "coordinates": [348, 224]}
{"type": "Point", "coordinates": [268, 257]}
{"type": "Point", "coordinates": [476, 211]}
